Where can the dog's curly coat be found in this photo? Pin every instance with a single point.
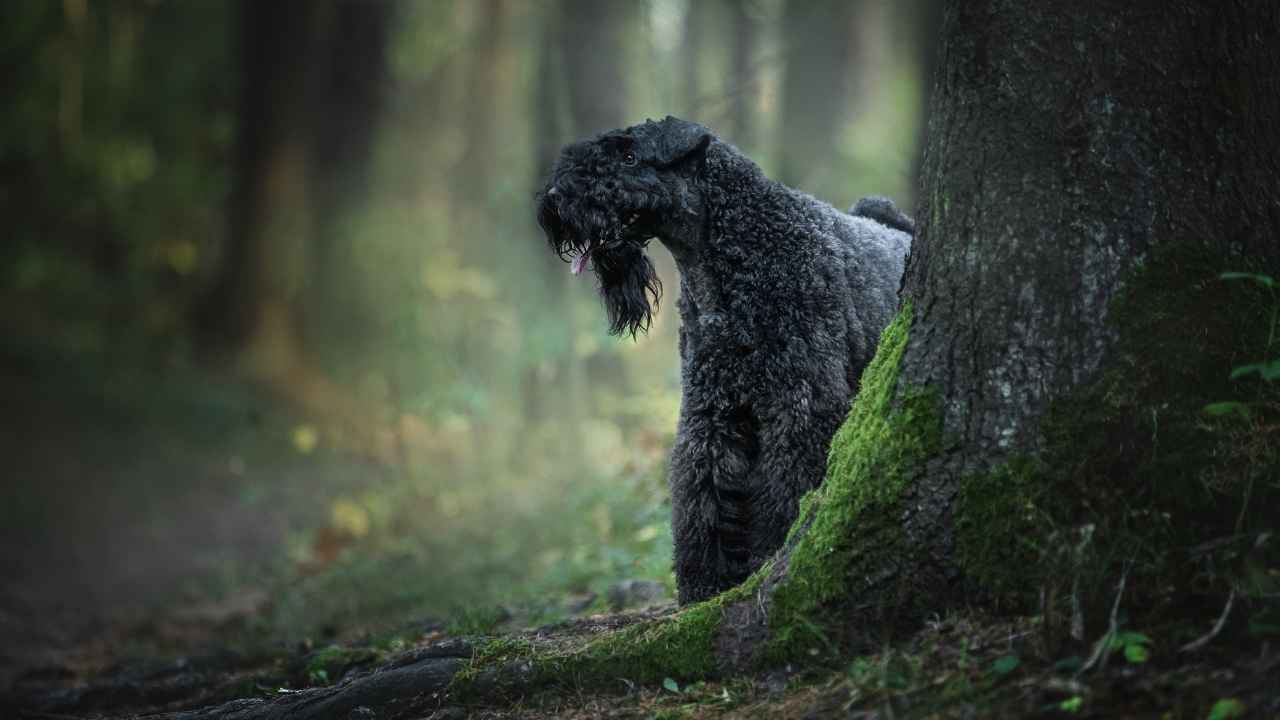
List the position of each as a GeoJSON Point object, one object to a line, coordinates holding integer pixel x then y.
{"type": "Point", "coordinates": [782, 301]}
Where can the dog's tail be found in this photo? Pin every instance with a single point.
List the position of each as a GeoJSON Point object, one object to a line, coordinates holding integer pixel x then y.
{"type": "Point", "coordinates": [883, 211]}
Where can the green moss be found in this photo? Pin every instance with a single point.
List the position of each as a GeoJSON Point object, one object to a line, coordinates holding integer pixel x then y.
{"type": "Point", "coordinates": [681, 646]}
{"type": "Point", "coordinates": [1000, 531]}
{"type": "Point", "coordinates": [888, 432]}
{"type": "Point", "coordinates": [501, 649]}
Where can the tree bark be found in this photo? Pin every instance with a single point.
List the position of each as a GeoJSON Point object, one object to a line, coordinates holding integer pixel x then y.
{"type": "Point", "coordinates": [818, 44]}
{"type": "Point", "coordinates": [252, 306]}
{"type": "Point", "coordinates": [1088, 171]}
{"type": "Point", "coordinates": [926, 17]}
{"type": "Point", "coordinates": [1064, 157]}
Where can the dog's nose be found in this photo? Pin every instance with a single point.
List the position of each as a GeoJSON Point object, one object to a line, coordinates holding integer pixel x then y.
{"type": "Point", "coordinates": [553, 198]}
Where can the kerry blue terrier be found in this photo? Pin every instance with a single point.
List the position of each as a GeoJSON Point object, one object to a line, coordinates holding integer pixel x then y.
{"type": "Point", "coordinates": [782, 300]}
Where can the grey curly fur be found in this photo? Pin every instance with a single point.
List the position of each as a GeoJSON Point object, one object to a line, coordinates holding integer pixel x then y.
{"type": "Point", "coordinates": [782, 300]}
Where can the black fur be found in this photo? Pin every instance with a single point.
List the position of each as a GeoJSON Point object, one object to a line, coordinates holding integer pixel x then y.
{"type": "Point", "coordinates": [782, 301]}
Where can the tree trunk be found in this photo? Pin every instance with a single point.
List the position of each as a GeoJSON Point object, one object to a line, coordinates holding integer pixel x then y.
{"type": "Point", "coordinates": [593, 44]}
{"type": "Point", "coordinates": [347, 108]}
{"type": "Point", "coordinates": [254, 315]}
{"type": "Point", "coordinates": [926, 16]}
{"type": "Point", "coordinates": [818, 49]}
{"type": "Point", "coordinates": [697, 21]}
{"type": "Point", "coordinates": [489, 75]}
{"type": "Point", "coordinates": [582, 56]}
{"type": "Point", "coordinates": [252, 309]}
{"type": "Point", "coordinates": [1062, 326]}
{"type": "Point", "coordinates": [743, 86]}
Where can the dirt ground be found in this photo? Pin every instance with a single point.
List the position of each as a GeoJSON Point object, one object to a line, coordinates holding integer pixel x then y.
{"type": "Point", "coordinates": [134, 514]}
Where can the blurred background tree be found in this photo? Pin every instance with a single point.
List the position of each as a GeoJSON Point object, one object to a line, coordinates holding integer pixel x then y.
{"type": "Point", "coordinates": [300, 234]}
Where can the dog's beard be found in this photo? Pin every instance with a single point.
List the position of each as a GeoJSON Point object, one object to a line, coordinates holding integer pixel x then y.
{"type": "Point", "coordinates": [629, 286]}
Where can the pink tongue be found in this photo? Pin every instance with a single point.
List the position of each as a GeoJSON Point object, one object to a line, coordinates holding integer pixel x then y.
{"type": "Point", "coordinates": [580, 262]}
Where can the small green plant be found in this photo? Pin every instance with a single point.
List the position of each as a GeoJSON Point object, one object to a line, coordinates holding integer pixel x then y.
{"type": "Point", "coordinates": [479, 620]}
{"type": "Point", "coordinates": [1134, 645]}
{"type": "Point", "coordinates": [1005, 664]}
{"type": "Point", "coordinates": [1226, 709]}
{"type": "Point", "coordinates": [1268, 368]}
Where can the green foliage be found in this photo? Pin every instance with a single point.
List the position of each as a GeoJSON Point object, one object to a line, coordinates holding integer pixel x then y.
{"type": "Point", "coordinates": [1227, 709]}
{"type": "Point", "coordinates": [479, 620]}
{"type": "Point", "coordinates": [116, 146]}
{"type": "Point", "coordinates": [1072, 704]}
{"type": "Point", "coordinates": [460, 567]}
{"type": "Point", "coordinates": [1005, 664]}
{"type": "Point", "coordinates": [1268, 369]}
{"type": "Point", "coordinates": [501, 649]}
{"type": "Point", "coordinates": [1133, 645]}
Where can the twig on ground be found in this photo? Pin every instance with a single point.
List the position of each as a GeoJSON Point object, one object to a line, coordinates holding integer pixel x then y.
{"type": "Point", "coordinates": [1104, 642]}
{"type": "Point", "coordinates": [1217, 627]}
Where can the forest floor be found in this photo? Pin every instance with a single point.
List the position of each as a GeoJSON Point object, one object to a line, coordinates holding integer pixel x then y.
{"type": "Point", "coordinates": [145, 554]}
{"type": "Point", "coordinates": [131, 528]}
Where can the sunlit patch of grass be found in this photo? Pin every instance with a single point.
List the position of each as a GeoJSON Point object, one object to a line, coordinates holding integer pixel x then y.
{"type": "Point", "coordinates": [483, 566]}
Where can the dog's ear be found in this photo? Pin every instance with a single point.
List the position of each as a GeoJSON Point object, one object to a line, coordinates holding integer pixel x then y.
{"type": "Point", "coordinates": [680, 141]}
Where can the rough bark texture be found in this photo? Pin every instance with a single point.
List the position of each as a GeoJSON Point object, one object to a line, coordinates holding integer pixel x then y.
{"type": "Point", "coordinates": [1069, 148]}
{"type": "Point", "coordinates": [1067, 145]}
{"type": "Point", "coordinates": [413, 675]}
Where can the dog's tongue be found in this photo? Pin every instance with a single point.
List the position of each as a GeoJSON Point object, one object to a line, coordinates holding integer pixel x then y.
{"type": "Point", "coordinates": [580, 262]}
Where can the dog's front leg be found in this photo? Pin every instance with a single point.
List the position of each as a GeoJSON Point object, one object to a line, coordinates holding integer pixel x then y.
{"type": "Point", "coordinates": [796, 431]}
{"type": "Point", "coordinates": [710, 463]}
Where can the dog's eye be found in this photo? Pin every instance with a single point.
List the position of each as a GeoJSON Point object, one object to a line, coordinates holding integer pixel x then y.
{"type": "Point", "coordinates": [629, 158]}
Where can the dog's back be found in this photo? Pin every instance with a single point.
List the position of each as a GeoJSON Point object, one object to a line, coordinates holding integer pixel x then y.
{"type": "Point", "coordinates": [875, 242]}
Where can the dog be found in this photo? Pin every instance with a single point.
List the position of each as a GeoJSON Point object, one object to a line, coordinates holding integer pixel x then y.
{"type": "Point", "coordinates": [782, 301]}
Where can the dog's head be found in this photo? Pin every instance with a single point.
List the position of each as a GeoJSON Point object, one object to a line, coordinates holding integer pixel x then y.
{"type": "Point", "coordinates": [607, 197]}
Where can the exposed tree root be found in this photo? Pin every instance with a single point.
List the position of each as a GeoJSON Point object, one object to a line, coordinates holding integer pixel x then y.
{"type": "Point", "coordinates": [412, 675]}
